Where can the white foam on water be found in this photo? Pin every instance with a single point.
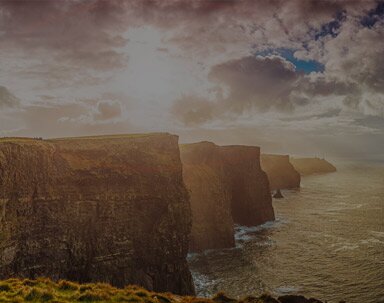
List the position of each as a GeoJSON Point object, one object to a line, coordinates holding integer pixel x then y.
{"type": "Point", "coordinates": [286, 289]}
{"type": "Point", "coordinates": [372, 241]}
{"type": "Point", "coordinates": [379, 234]}
{"type": "Point", "coordinates": [347, 247]}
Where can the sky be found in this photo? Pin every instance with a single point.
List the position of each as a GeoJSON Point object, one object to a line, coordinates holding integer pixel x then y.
{"type": "Point", "coordinates": [300, 77]}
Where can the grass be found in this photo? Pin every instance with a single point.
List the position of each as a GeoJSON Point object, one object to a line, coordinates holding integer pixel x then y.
{"type": "Point", "coordinates": [19, 139]}
{"type": "Point", "coordinates": [97, 137]}
{"type": "Point", "coordinates": [45, 290]}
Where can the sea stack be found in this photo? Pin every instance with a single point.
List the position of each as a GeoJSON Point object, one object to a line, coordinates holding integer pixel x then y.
{"type": "Point", "coordinates": [107, 209]}
{"type": "Point", "coordinates": [278, 194]}
{"type": "Point", "coordinates": [308, 166]}
{"type": "Point", "coordinates": [281, 173]}
{"type": "Point", "coordinates": [226, 186]}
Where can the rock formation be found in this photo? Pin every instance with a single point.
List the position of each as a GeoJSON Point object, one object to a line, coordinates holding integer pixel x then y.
{"type": "Point", "coordinates": [278, 194]}
{"type": "Point", "coordinates": [204, 175]}
{"type": "Point", "coordinates": [281, 173]}
{"type": "Point", "coordinates": [226, 186]}
{"type": "Point", "coordinates": [111, 209]}
{"type": "Point", "coordinates": [251, 201]}
{"type": "Point", "coordinates": [308, 166]}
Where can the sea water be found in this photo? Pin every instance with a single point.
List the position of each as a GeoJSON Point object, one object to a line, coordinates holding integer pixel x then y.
{"type": "Point", "coordinates": [327, 242]}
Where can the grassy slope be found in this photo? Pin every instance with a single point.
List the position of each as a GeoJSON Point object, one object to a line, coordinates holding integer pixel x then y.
{"type": "Point", "coordinates": [45, 290]}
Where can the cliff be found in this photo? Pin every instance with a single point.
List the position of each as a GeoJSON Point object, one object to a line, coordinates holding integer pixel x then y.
{"type": "Point", "coordinates": [226, 186]}
{"type": "Point", "coordinates": [108, 208]}
{"type": "Point", "coordinates": [281, 173]}
{"type": "Point", "coordinates": [204, 176]}
{"type": "Point", "coordinates": [308, 166]}
{"type": "Point", "coordinates": [251, 202]}
{"type": "Point", "coordinates": [44, 290]}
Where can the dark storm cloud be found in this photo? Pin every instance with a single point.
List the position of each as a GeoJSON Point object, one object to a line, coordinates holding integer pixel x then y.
{"type": "Point", "coordinates": [74, 33]}
{"type": "Point", "coordinates": [95, 26]}
{"type": "Point", "coordinates": [260, 83]}
{"type": "Point", "coordinates": [263, 82]}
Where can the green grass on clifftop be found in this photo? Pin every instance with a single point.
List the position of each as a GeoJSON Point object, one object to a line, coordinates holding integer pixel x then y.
{"type": "Point", "coordinates": [98, 137]}
{"type": "Point", "coordinates": [45, 290]}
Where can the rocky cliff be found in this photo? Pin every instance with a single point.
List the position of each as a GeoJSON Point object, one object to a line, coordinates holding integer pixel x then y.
{"type": "Point", "coordinates": [281, 173]}
{"type": "Point", "coordinates": [251, 202]}
{"type": "Point", "coordinates": [110, 208]}
{"type": "Point", "coordinates": [226, 186]}
{"type": "Point", "coordinates": [204, 175]}
{"type": "Point", "coordinates": [308, 166]}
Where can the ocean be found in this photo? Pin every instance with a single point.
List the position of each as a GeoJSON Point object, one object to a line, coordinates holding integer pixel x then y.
{"type": "Point", "coordinates": [327, 242]}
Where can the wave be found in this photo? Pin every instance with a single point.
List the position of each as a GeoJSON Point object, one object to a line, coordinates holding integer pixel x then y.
{"type": "Point", "coordinates": [246, 233]}
{"type": "Point", "coordinates": [286, 289]}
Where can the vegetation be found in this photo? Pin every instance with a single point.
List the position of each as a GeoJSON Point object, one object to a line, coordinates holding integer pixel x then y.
{"type": "Point", "coordinates": [98, 137]}
{"type": "Point", "coordinates": [45, 290]}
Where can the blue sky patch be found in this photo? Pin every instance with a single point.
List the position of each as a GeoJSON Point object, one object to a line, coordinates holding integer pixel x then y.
{"type": "Point", "coordinates": [373, 16]}
{"type": "Point", "coordinates": [306, 66]}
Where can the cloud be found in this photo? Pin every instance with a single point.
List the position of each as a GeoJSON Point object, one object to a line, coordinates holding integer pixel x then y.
{"type": "Point", "coordinates": [60, 41]}
{"type": "Point", "coordinates": [256, 84]}
{"type": "Point", "coordinates": [154, 51]}
{"type": "Point", "coordinates": [192, 110]}
{"type": "Point", "coordinates": [7, 99]}
{"type": "Point", "coordinates": [107, 110]}
{"type": "Point", "coordinates": [253, 81]}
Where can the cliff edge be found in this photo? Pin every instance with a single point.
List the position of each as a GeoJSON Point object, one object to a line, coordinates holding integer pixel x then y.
{"type": "Point", "coordinates": [108, 208]}
{"type": "Point", "coordinates": [281, 173]}
{"type": "Point", "coordinates": [308, 166]}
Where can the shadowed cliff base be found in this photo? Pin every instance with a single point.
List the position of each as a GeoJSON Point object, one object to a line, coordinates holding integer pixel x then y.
{"type": "Point", "coordinates": [281, 173]}
{"type": "Point", "coordinates": [309, 166]}
{"type": "Point", "coordinates": [226, 186]}
{"type": "Point", "coordinates": [45, 290]}
{"type": "Point", "coordinates": [107, 209]}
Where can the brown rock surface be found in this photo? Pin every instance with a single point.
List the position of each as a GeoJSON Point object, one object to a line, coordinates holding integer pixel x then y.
{"type": "Point", "coordinates": [110, 209]}
{"type": "Point", "coordinates": [308, 166]}
{"type": "Point", "coordinates": [281, 173]}
{"type": "Point", "coordinates": [204, 176]}
{"type": "Point", "coordinates": [251, 200]}
{"type": "Point", "coordinates": [226, 186]}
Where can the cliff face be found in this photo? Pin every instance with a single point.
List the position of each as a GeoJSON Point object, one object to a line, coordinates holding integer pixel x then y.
{"type": "Point", "coordinates": [308, 166]}
{"type": "Point", "coordinates": [204, 176]}
{"type": "Point", "coordinates": [251, 202]}
{"type": "Point", "coordinates": [226, 186]}
{"type": "Point", "coordinates": [110, 209]}
{"type": "Point", "coordinates": [281, 173]}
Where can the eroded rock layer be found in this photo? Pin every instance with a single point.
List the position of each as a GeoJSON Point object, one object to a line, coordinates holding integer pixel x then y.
{"type": "Point", "coordinates": [308, 166]}
{"type": "Point", "coordinates": [281, 173]}
{"type": "Point", "coordinates": [110, 209]}
{"type": "Point", "coordinates": [226, 186]}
